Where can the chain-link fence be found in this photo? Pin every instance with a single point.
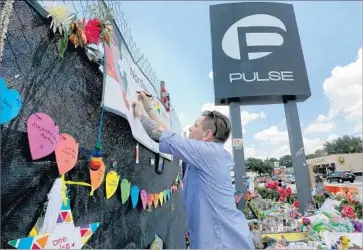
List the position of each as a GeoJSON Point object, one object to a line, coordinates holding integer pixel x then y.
{"type": "Point", "coordinates": [84, 9]}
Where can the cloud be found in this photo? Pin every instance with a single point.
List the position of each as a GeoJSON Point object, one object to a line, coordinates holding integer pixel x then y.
{"type": "Point", "coordinates": [272, 135]}
{"type": "Point", "coordinates": [344, 90]}
{"type": "Point", "coordinates": [278, 140]}
{"type": "Point", "coordinates": [322, 118]}
{"type": "Point", "coordinates": [317, 127]}
{"type": "Point", "coordinates": [210, 75]}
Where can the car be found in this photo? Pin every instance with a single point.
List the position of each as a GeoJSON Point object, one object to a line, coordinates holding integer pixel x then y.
{"type": "Point", "coordinates": [340, 177]}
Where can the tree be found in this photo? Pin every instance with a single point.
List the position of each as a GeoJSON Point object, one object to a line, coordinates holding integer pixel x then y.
{"type": "Point", "coordinates": [258, 166]}
{"type": "Point", "coordinates": [310, 156]}
{"type": "Point", "coordinates": [344, 145]}
{"type": "Point", "coordinates": [286, 160]}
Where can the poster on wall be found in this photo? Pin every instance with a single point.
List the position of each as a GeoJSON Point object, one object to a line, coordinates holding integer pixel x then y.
{"type": "Point", "coordinates": [122, 82]}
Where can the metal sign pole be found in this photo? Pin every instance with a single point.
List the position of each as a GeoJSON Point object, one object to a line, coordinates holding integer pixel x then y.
{"type": "Point", "coordinates": [303, 184]}
{"type": "Point", "coordinates": [238, 153]}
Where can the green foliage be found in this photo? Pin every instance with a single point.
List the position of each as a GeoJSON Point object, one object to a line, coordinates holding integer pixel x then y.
{"type": "Point", "coordinates": [357, 206]}
{"type": "Point", "coordinates": [259, 166]}
{"type": "Point", "coordinates": [344, 145]}
{"type": "Point", "coordinates": [286, 161]}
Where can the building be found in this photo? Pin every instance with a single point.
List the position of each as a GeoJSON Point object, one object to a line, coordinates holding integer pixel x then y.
{"type": "Point", "coordinates": [337, 162]}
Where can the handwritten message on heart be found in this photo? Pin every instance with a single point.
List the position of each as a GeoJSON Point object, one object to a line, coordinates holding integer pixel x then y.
{"type": "Point", "coordinates": [143, 195]}
{"type": "Point", "coordinates": [97, 176]}
{"type": "Point", "coordinates": [10, 102]}
{"type": "Point", "coordinates": [112, 180]}
{"type": "Point", "coordinates": [66, 153]}
{"type": "Point", "coordinates": [42, 134]}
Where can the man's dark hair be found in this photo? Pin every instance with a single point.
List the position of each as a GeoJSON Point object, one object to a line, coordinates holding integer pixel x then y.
{"type": "Point", "coordinates": [219, 124]}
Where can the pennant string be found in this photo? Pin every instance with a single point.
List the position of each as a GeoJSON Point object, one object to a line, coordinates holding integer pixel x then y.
{"type": "Point", "coordinates": [100, 126]}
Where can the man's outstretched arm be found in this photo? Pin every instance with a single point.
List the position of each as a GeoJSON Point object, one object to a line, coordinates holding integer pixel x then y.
{"type": "Point", "coordinates": [152, 128]}
{"type": "Point", "coordinates": [169, 142]}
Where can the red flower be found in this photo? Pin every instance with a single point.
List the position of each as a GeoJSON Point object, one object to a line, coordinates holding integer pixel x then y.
{"type": "Point", "coordinates": [296, 203]}
{"type": "Point", "coordinates": [93, 30]}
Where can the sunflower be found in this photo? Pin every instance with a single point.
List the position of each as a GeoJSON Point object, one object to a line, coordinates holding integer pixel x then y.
{"type": "Point", "coordinates": [61, 18]}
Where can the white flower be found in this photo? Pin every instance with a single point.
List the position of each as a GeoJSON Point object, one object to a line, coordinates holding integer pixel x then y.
{"type": "Point", "coordinates": [61, 18]}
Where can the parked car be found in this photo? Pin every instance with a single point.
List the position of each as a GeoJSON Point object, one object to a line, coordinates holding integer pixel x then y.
{"type": "Point", "coordinates": [340, 177]}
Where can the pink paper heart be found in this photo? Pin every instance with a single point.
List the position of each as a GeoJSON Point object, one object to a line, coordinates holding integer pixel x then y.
{"type": "Point", "coordinates": [42, 135]}
{"type": "Point", "coordinates": [66, 153]}
{"type": "Point", "coordinates": [143, 195]}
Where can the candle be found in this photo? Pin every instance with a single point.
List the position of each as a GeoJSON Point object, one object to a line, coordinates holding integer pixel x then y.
{"type": "Point", "coordinates": [137, 152]}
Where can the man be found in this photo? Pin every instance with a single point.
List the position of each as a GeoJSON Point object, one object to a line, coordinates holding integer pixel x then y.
{"type": "Point", "coordinates": [208, 194]}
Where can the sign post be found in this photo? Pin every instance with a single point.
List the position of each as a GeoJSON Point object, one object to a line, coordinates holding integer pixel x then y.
{"type": "Point", "coordinates": [238, 153]}
{"type": "Point", "coordinates": [258, 60]}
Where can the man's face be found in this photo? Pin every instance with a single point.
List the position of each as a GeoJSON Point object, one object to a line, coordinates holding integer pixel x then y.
{"type": "Point", "coordinates": [198, 132]}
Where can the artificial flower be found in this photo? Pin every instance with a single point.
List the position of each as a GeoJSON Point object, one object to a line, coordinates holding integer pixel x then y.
{"type": "Point", "coordinates": [92, 30]}
{"type": "Point", "coordinates": [61, 18]}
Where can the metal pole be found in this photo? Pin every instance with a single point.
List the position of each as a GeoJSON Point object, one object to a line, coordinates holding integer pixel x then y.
{"type": "Point", "coordinates": [303, 185]}
{"type": "Point", "coordinates": [238, 153]}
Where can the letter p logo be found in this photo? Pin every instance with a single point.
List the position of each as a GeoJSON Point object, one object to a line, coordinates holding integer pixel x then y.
{"type": "Point", "coordinates": [253, 37]}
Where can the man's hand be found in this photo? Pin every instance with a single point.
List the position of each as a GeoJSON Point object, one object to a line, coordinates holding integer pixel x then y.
{"type": "Point", "coordinates": [146, 101]}
{"type": "Point", "coordinates": [138, 108]}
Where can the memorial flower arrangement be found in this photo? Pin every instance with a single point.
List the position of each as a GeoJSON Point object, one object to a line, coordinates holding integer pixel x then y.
{"type": "Point", "coordinates": [78, 32]}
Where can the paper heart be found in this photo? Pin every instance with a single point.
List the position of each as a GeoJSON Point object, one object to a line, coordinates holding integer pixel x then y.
{"type": "Point", "coordinates": [143, 195]}
{"type": "Point", "coordinates": [134, 195]}
{"type": "Point", "coordinates": [161, 198]}
{"type": "Point", "coordinates": [165, 195]}
{"type": "Point", "coordinates": [42, 134]}
{"type": "Point", "coordinates": [150, 199]}
{"type": "Point", "coordinates": [156, 200]}
{"type": "Point", "coordinates": [97, 177]}
{"type": "Point", "coordinates": [10, 102]}
{"type": "Point", "coordinates": [66, 153]}
{"type": "Point", "coordinates": [125, 190]}
{"type": "Point", "coordinates": [181, 184]}
{"type": "Point", "coordinates": [168, 194]}
{"type": "Point", "coordinates": [112, 180]}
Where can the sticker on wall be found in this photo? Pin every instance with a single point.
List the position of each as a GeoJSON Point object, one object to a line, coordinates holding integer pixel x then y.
{"type": "Point", "coordinates": [135, 195]}
{"type": "Point", "coordinates": [125, 190]}
{"type": "Point", "coordinates": [66, 153]}
{"type": "Point", "coordinates": [143, 196]}
{"type": "Point", "coordinates": [237, 143]}
{"type": "Point", "coordinates": [10, 104]}
{"type": "Point", "coordinates": [42, 134]}
{"type": "Point", "coordinates": [112, 181]}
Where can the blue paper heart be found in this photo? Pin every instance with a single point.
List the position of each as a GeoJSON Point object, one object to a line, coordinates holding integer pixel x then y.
{"type": "Point", "coordinates": [10, 102]}
{"type": "Point", "coordinates": [168, 193]}
{"type": "Point", "coordinates": [134, 195]}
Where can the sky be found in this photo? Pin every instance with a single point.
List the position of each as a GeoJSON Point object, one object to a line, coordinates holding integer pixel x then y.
{"type": "Point", "coordinates": [175, 37]}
